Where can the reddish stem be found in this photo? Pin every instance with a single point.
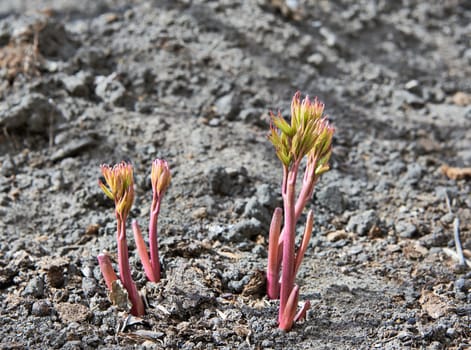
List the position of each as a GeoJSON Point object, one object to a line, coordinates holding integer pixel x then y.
{"type": "Point", "coordinates": [142, 251]}
{"type": "Point", "coordinates": [153, 241]}
{"type": "Point", "coordinates": [273, 268]}
{"type": "Point", "coordinates": [107, 269]}
{"type": "Point", "coordinates": [287, 274]}
{"type": "Point", "coordinates": [125, 270]}
{"type": "Point", "coordinates": [289, 313]}
{"type": "Point", "coordinates": [303, 197]}
{"type": "Point", "coordinates": [301, 315]}
{"type": "Point", "coordinates": [305, 242]}
{"type": "Point", "coordinates": [309, 181]}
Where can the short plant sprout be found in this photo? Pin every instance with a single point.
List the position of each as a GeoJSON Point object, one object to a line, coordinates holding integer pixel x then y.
{"type": "Point", "coordinates": [307, 136]}
{"type": "Point", "coordinates": [119, 186]}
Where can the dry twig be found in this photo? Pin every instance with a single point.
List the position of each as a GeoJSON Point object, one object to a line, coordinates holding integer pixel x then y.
{"type": "Point", "coordinates": [456, 235]}
{"type": "Point", "coordinates": [456, 173]}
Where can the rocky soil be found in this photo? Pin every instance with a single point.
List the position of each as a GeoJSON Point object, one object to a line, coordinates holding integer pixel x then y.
{"type": "Point", "coordinates": [92, 82]}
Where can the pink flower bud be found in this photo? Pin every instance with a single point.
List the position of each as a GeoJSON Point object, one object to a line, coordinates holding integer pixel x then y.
{"type": "Point", "coordinates": [160, 176]}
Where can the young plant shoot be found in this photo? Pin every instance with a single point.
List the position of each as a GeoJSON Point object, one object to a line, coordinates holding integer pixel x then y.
{"type": "Point", "coordinates": [309, 136]}
{"type": "Point", "coordinates": [120, 188]}
{"type": "Point", "coordinates": [160, 178]}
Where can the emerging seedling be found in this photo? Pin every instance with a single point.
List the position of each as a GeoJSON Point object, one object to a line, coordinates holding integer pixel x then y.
{"type": "Point", "coordinates": [160, 178]}
{"type": "Point", "coordinates": [308, 135]}
{"type": "Point", "coordinates": [120, 188]}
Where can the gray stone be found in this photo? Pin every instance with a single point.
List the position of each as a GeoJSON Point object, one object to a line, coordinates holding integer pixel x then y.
{"type": "Point", "coordinates": [451, 333]}
{"type": "Point", "coordinates": [362, 222]}
{"type": "Point", "coordinates": [413, 174]}
{"type": "Point", "coordinates": [73, 147]}
{"type": "Point", "coordinates": [332, 198]}
{"type": "Point", "coordinates": [403, 98]}
{"type": "Point", "coordinates": [245, 229]}
{"type": "Point", "coordinates": [72, 344]}
{"type": "Point", "coordinates": [4, 200]}
{"type": "Point", "coordinates": [383, 185]}
{"type": "Point", "coordinates": [214, 122]}
{"type": "Point", "coordinates": [228, 106]}
{"type": "Point", "coordinates": [254, 209]}
{"type": "Point", "coordinates": [78, 84]}
{"type": "Point", "coordinates": [463, 285]}
{"type": "Point", "coordinates": [436, 239]}
{"type": "Point", "coordinates": [447, 218]}
{"type": "Point", "coordinates": [8, 166]}
{"type": "Point", "coordinates": [144, 107]}
{"type": "Point", "coordinates": [89, 286]}
{"type": "Point", "coordinates": [250, 114]}
{"type": "Point", "coordinates": [315, 59]}
{"type": "Point", "coordinates": [329, 36]}
{"type": "Point", "coordinates": [357, 249]}
{"type": "Point", "coordinates": [413, 86]}
{"type": "Point", "coordinates": [35, 287]}
{"type": "Point", "coordinates": [465, 155]}
{"type": "Point", "coordinates": [33, 111]}
{"type": "Point", "coordinates": [239, 205]}
{"type": "Point", "coordinates": [237, 286]}
{"type": "Point", "coordinates": [200, 140]}
{"type": "Point", "coordinates": [405, 229]}
{"type": "Point", "coordinates": [404, 335]}
{"type": "Point", "coordinates": [226, 181]}
{"type": "Point", "coordinates": [41, 183]}
{"type": "Point", "coordinates": [467, 55]}
{"type": "Point", "coordinates": [395, 167]}
{"type": "Point", "coordinates": [437, 95]}
{"type": "Point", "coordinates": [210, 204]}
{"type": "Point", "coordinates": [442, 192]}
{"type": "Point", "coordinates": [93, 57]}
{"type": "Point", "coordinates": [267, 195]}
{"type": "Point", "coordinates": [55, 42]}
{"type": "Point", "coordinates": [372, 73]}
{"type": "Point", "coordinates": [110, 90]}
{"type": "Point", "coordinates": [267, 343]}
{"type": "Point", "coordinates": [218, 181]}
{"type": "Point", "coordinates": [435, 345]}
{"type": "Point", "coordinates": [41, 308]}
{"type": "Point", "coordinates": [57, 180]}
{"type": "Point", "coordinates": [259, 251]}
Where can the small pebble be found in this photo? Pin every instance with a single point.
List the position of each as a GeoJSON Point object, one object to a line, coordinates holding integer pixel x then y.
{"type": "Point", "coordinates": [362, 222]}
{"type": "Point", "coordinates": [41, 308]}
{"type": "Point", "coordinates": [35, 287]}
{"type": "Point", "coordinates": [199, 213]}
{"type": "Point", "coordinates": [406, 229]}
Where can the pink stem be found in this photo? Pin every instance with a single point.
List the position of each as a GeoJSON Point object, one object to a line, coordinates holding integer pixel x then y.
{"type": "Point", "coordinates": [142, 251]}
{"type": "Point", "coordinates": [304, 195]}
{"type": "Point", "coordinates": [305, 242]}
{"type": "Point", "coordinates": [289, 312]}
{"type": "Point", "coordinates": [273, 268]}
{"type": "Point", "coordinates": [283, 190]}
{"type": "Point", "coordinates": [303, 198]}
{"type": "Point", "coordinates": [309, 181]}
{"type": "Point", "coordinates": [107, 270]}
{"type": "Point", "coordinates": [287, 274]}
{"type": "Point", "coordinates": [125, 270]}
{"type": "Point", "coordinates": [153, 242]}
{"type": "Point", "coordinates": [302, 313]}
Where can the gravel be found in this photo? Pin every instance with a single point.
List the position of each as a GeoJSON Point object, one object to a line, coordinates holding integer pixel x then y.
{"type": "Point", "coordinates": [193, 82]}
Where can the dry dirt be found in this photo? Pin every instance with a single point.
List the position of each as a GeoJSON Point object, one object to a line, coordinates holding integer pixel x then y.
{"type": "Point", "coordinates": [192, 82]}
